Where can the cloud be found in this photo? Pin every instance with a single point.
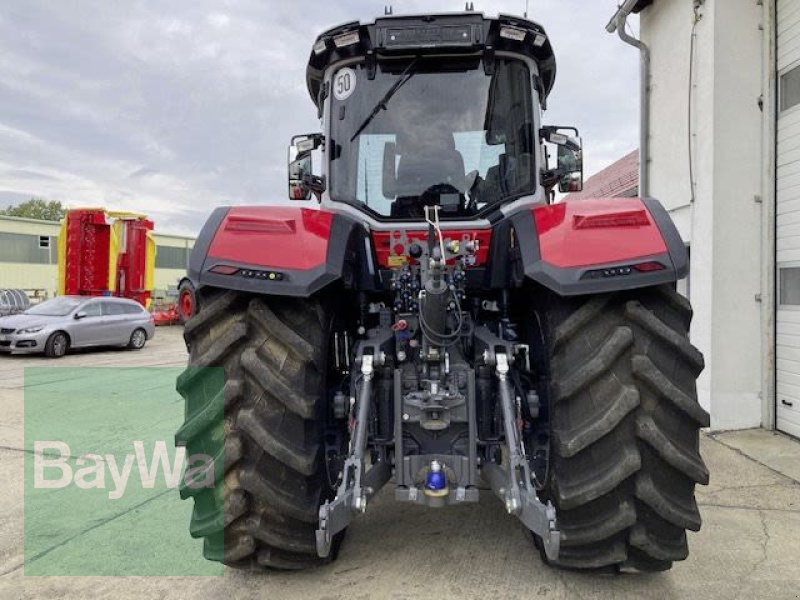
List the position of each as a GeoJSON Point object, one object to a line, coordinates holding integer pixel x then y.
{"type": "Point", "coordinates": [12, 198]}
{"type": "Point", "coordinates": [175, 108]}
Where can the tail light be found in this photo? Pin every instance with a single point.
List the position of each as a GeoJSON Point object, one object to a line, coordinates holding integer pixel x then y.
{"type": "Point", "coordinates": [647, 267]}
{"type": "Point", "coordinates": [224, 269]}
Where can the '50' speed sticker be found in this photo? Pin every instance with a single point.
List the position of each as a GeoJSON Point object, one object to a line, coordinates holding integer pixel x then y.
{"type": "Point", "coordinates": [344, 84]}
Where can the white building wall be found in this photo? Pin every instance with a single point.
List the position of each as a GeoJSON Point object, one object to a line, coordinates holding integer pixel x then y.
{"type": "Point", "coordinates": [723, 223]}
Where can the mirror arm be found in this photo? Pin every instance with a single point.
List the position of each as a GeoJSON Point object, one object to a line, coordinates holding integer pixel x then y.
{"type": "Point", "coordinates": [547, 132]}
{"type": "Point", "coordinates": [308, 143]}
{"type": "Point", "coordinates": [548, 129]}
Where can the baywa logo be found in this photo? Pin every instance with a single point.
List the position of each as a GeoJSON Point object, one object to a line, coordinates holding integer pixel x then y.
{"type": "Point", "coordinates": [52, 458]}
{"type": "Point", "coordinates": [114, 484]}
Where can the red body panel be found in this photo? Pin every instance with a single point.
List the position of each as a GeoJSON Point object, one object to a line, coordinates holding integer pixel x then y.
{"type": "Point", "coordinates": [273, 236]}
{"type": "Point", "coordinates": [87, 253]}
{"type": "Point", "coordinates": [132, 262]}
{"type": "Point", "coordinates": [594, 232]}
{"type": "Point", "coordinates": [389, 244]}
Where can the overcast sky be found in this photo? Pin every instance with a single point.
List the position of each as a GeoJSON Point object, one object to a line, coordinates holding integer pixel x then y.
{"type": "Point", "coordinates": [173, 108]}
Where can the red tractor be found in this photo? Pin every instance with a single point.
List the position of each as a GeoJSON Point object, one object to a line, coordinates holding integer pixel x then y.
{"type": "Point", "coordinates": [428, 316]}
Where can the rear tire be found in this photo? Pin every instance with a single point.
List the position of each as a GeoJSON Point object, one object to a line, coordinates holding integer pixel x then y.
{"type": "Point", "coordinates": [57, 345]}
{"type": "Point", "coordinates": [274, 478]}
{"type": "Point", "coordinates": [624, 448]}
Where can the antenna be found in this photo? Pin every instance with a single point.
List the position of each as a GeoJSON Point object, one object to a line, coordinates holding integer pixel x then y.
{"type": "Point", "coordinates": [388, 10]}
{"type": "Point", "coordinates": [527, 3]}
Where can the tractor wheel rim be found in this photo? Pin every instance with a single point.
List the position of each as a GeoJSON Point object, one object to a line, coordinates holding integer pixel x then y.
{"type": "Point", "coordinates": [186, 304]}
{"type": "Point", "coordinates": [138, 339]}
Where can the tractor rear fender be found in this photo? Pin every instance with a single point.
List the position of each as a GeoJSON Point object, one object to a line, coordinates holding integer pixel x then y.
{"type": "Point", "coordinates": [600, 245]}
{"type": "Point", "coordinates": [275, 250]}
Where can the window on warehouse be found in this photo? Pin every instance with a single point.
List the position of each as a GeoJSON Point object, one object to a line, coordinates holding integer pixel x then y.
{"type": "Point", "coordinates": [170, 257]}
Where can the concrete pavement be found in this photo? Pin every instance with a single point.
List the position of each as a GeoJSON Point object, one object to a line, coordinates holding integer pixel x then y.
{"type": "Point", "coordinates": [749, 546]}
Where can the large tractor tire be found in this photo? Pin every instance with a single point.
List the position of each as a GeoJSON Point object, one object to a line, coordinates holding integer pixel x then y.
{"type": "Point", "coordinates": [263, 509]}
{"type": "Point", "coordinates": [624, 417]}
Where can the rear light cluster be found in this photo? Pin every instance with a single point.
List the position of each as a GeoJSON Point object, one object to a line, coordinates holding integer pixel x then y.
{"type": "Point", "coordinates": [347, 39]}
{"type": "Point", "coordinates": [249, 273]}
{"type": "Point", "coordinates": [224, 270]}
{"type": "Point", "coordinates": [518, 35]}
{"type": "Point", "coordinates": [645, 267]}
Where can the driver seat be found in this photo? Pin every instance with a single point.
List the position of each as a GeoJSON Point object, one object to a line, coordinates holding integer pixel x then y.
{"type": "Point", "coordinates": [428, 159]}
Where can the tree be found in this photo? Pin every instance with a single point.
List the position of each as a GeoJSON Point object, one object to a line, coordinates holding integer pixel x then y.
{"type": "Point", "coordinates": [37, 208]}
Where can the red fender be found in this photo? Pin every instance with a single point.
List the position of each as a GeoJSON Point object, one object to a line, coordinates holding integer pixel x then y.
{"type": "Point", "coordinates": [595, 232]}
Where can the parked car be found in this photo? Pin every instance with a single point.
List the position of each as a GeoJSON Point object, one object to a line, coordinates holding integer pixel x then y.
{"type": "Point", "coordinates": [65, 322]}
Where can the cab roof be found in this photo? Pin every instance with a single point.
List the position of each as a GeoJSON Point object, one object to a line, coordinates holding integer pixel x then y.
{"type": "Point", "coordinates": [431, 34]}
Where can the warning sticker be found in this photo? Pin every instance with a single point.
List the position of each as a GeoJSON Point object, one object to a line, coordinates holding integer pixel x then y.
{"type": "Point", "coordinates": [344, 84]}
{"type": "Point", "coordinates": [397, 261]}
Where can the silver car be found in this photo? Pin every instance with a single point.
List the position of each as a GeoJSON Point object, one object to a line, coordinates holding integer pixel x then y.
{"type": "Point", "coordinates": [56, 325]}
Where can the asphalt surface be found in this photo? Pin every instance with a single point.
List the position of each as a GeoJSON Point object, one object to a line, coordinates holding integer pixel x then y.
{"type": "Point", "coordinates": [749, 546]}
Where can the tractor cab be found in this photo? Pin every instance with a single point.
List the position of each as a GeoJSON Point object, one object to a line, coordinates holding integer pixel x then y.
{"type": "Point", "coordinates": [436, 110]}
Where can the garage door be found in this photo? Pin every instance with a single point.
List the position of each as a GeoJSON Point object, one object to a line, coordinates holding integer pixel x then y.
{"type": "Point", "coordinates": [787, 327]}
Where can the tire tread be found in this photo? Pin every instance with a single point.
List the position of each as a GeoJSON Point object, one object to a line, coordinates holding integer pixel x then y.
{"type": "Point", "coordinates": [268, 469]}
{"type": "Point", "coordinates": [625, 423]}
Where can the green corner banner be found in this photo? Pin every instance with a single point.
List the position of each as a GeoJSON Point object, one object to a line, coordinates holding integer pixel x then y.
{"type": "Point", "coordinates": [103, 477]}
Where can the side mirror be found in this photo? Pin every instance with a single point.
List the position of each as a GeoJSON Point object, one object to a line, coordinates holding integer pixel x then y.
{"type": "Point", "coordinates": [570, 167]}
{"type": "Point", "coordinates": [302, 181]}
{"type": "Point", "coordinates": [79, 315]}
{"type": "Point", "coordinates": [569, 158]}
